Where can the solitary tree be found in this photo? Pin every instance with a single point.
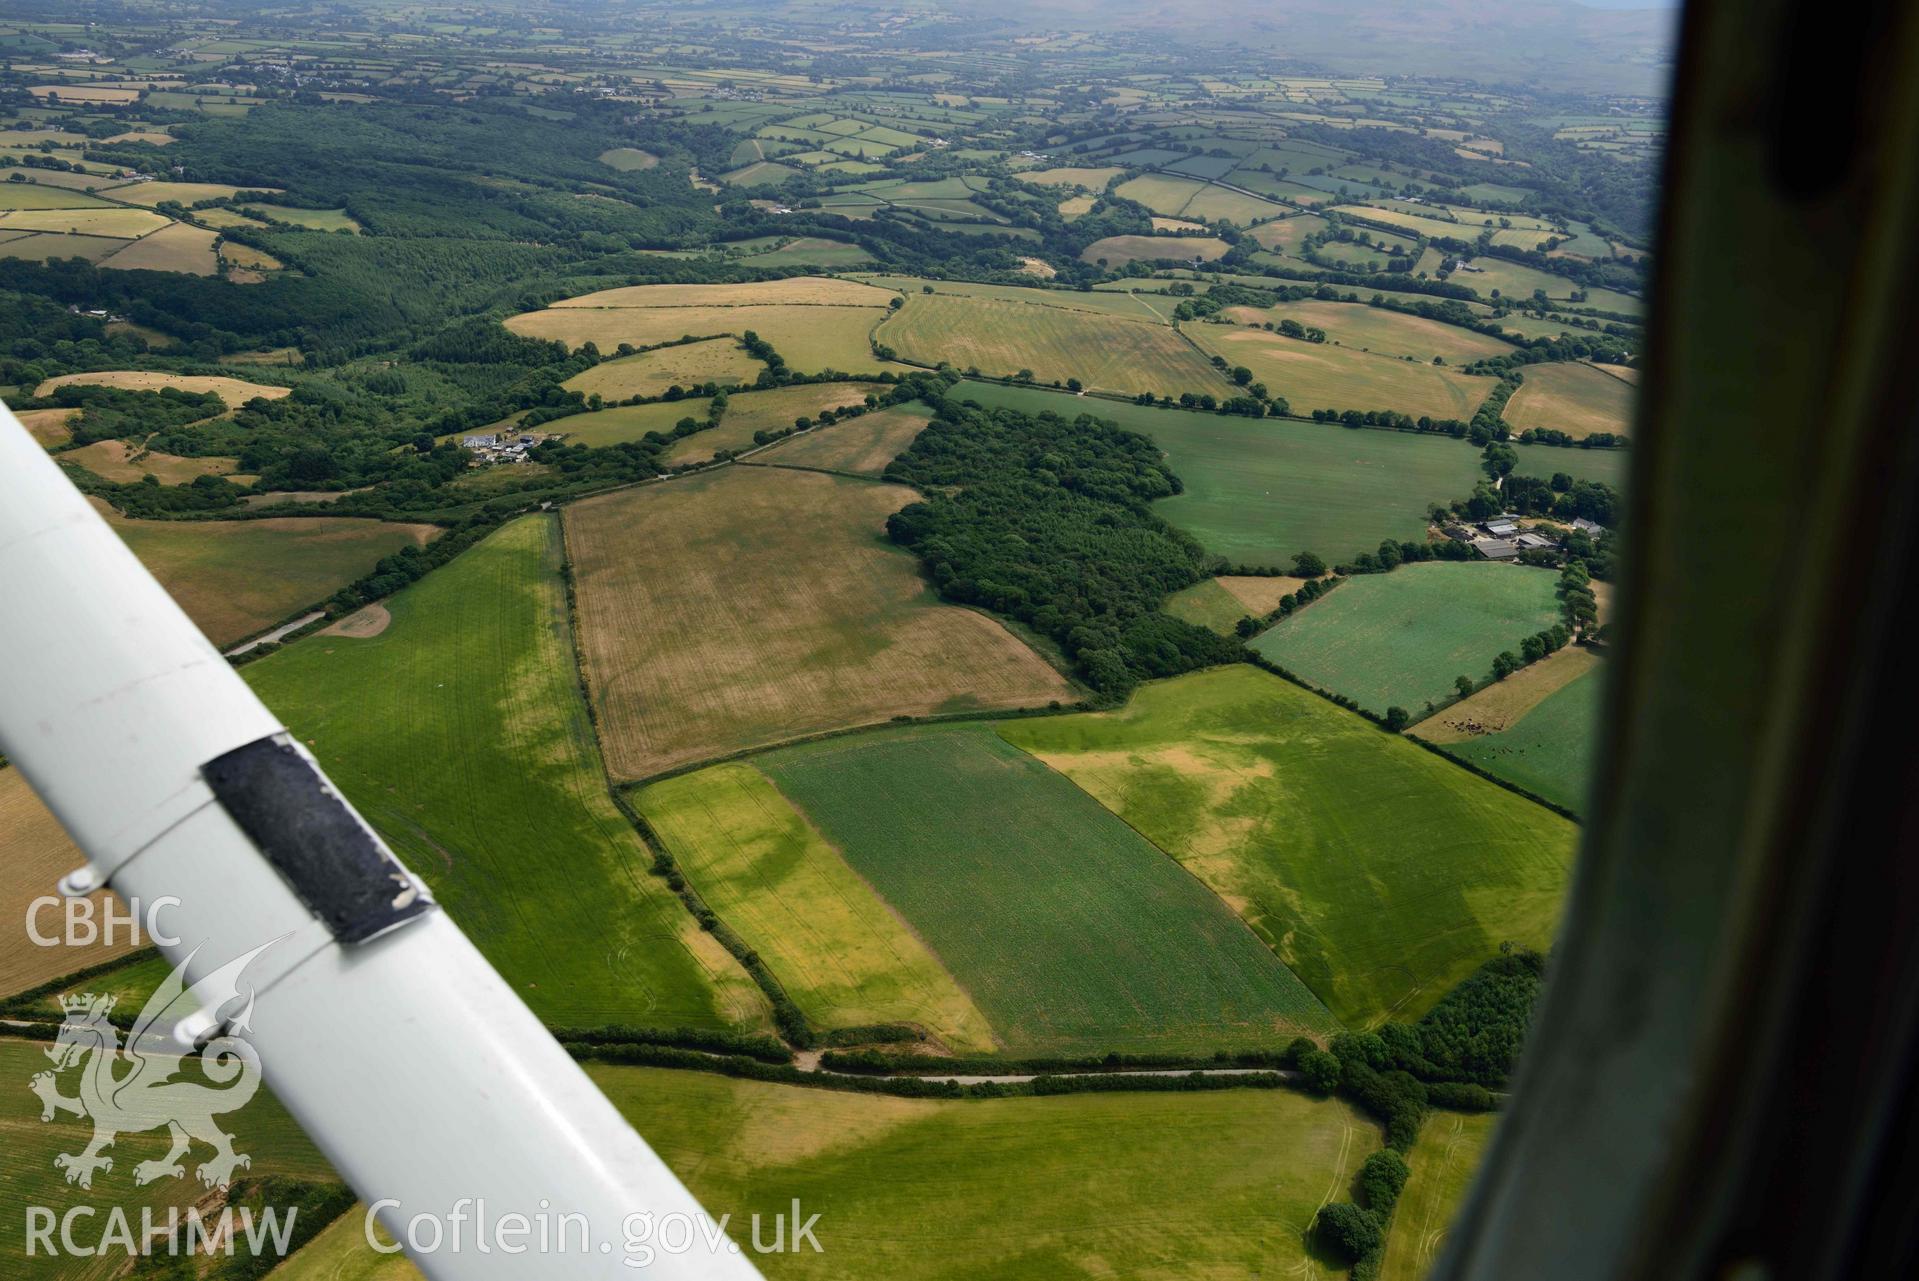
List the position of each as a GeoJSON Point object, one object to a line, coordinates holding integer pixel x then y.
{"type": "Point", "coordinates": [1397, 719]}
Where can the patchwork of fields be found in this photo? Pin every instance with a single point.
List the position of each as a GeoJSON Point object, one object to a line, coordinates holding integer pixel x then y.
{"type": "Point", "coordinates": [741, 607]}
{"type": "Point", "coordinates": [686, 743]}
{"type": "Point", "coordinates": [1071, 933]}
{"type": "Point", "coordinates": [1258, 491]}
{"type": "Point", "coordinates": [486, 780]}
{"type": "Point", "coordinates": [1381, 874]}
{"type": "Point", "coordinates": [1401, 639]}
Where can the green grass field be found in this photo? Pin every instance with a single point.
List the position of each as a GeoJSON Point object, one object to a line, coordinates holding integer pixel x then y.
{"type": "Point", "coordinates": [482, 772]}
{"type": "Point", "coordinates": [1608, 466]}
{"type": "Point", "coordinates": [28, 1177]}
{"type": "Point", "coordinates": [1381, 873]}
{"type": "Point", "coordinates": [1322, 376]}
{"type": "Point", "coordinates": [1448, 1151]}
{"type": "Point", "coordinates": [1070, 932]}
{"type": "Point", "coordinates": [1259, 491]}
{"type": "Point", "coordinates": [1203, 1187]}
{"type": "Point", "coordinates": [340, 1253]}
{"type": "Point", "coordinates": [1400, 639]}
{"type": "Point", "coordinates": [1117, 251]}
{"type": "Point", "coordinates": [839, 952]}
{"type": "Point", "coordinates": [1003, 337]}
{"type": "Point", "coordinates": [1549, 751]}
{"type": "Point", "coordinates": [1163, 1185]}
{"type": "Point", "coordinates": [627, 422]}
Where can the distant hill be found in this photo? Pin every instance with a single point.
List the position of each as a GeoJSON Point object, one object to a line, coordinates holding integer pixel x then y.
{"type": "Point", "coordinates": [1553, 44]}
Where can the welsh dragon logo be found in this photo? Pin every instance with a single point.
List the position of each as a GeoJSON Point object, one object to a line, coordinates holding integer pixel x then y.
{"type": "Point", "coordinates": [127, 1088]}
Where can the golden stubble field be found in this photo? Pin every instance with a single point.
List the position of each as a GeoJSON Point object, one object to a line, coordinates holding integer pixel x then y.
{"type": "Point", "coordinates": [815, 322]}
{"type": "Point", "coordinates": [747, 606]}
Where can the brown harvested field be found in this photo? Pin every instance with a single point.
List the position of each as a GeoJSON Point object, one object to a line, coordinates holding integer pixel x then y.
{"type": "Point", "coordinates": [234, 391]}
{"type": "Point", "coordinates": [48, 426]}
{"type": "Point", "coordinates": [1120, 250]}
{"type": "Point", "coordinates": [1260, 595]}
{"type": "Point", "coordinates": [812, 338]}
{"type": "Point", "coordinates": [749, 605]}
{"type": "Point", "coordinates": [1073, 206]}
{"type": "Point", "coordinates": [35, 852]}
{"type": "Point", "coordinates": [817, 291]}
{"type": "Point", "coordinates": [142, 135]}
{"type": "Point", "coordinates": [1501, 704]}
{"type": "Point", "coordinates": [1571, 397]}
{"type": "Point", "coordinates": [237, 577]}
{"type": "Point", "coordinates": [757, 411]}
{"type": "Point", "coordinates": [863, 445]}
{"type": "Point", "coordinates": [125, 464]}
{"type": "Point", "coordinates": [85, 93]}
{"type": "Point", "coordinates": [1625, 373]}
{"type": "Point", "coordinates": [176, 248]}
{"type": "Point", "coordinates": [110, 222]}
{"type": "Point", "coordinates": [650, 373]}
